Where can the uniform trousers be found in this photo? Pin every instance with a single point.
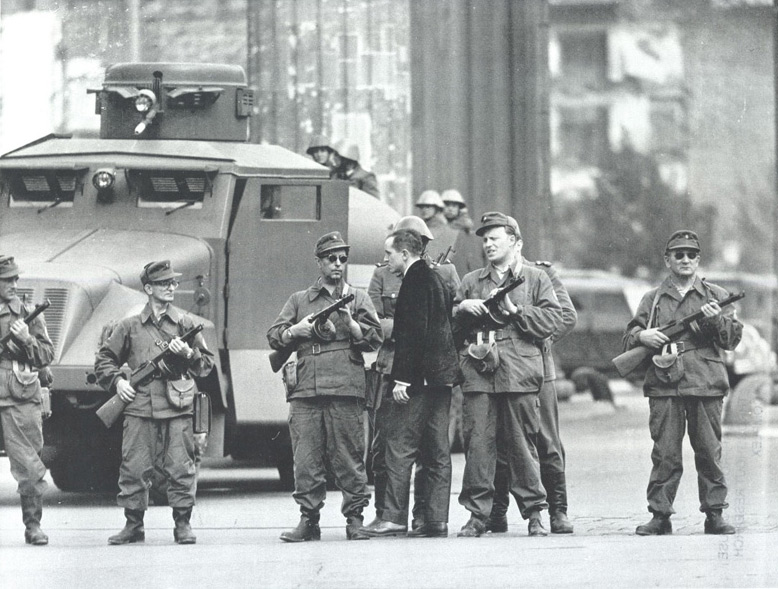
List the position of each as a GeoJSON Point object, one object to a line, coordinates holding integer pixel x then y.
{"type": "Point", "coordinates": [140, 438]}
{"type": "Point", "coordinates": [668, 419]}
{"type": "Point", "coordinates": [418, 430]}
{"type": "Point", "coordinates": [328, 430]}
{"type": "Point", "coordinates": [23, 439]}
{"type": "Point", "coordinates": [517, 415]}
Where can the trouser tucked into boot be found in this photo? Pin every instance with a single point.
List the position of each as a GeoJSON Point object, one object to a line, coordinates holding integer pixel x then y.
{"type": "Point", "coordinates": [32, 511]}
{"type": "Point", "coordinates": [308, 529]}
{"type": "Point", "coordinates": [354, 529]}
{"type": "Point", "coordinates": [133, 530]}
{"type": "Point", "coordinates": [182, 533]}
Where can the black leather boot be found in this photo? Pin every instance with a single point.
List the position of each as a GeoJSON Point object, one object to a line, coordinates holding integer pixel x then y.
{"type": "Point", "coordinates": [354, 529]}
{"type": "Point", "coordinates": [32, 511]}
{"type": "Point", "coordinates": [535, 525]}
{"type": "Point", "coordinates": [498, 518]}
{"type": "Point", "coordinates": [559, 523]}
{"type": "Point", "coordinates": [556, 489]}
{"type": "Point", "coordinates": [182, 533]}
{"type": "Point", "coordinates": [716, 524]}
{"type": "Point", "coordinates": [133, 530]}
{"type": "Point", "coordinates": [658, 526]}
{"type": "Point", "coordinates": [307, 530]}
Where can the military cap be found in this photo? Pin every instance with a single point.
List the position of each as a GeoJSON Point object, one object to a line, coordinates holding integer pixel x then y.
{"type": "Point", "coordinates": [8, 267]}
{"type": "Point", "coordinates": [317, 142]}
{"type": "Point", "coordinates": [683, 239]}
{"type": "Point", "coordinates": [495, 219]}
{"type": "Point", "coordinates": [453, 196]}
{"type": "Point", "coordinates": [430, 198]}
{"type": "Point", "coordinates": [415, 223]}
{"type": "Point", "coordinates": [156, 271]}
{"type": "Point", "coordinates": [329, 242]}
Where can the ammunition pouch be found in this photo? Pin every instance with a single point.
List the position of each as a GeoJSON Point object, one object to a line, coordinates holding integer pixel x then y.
{"type": "Point", "coordinates": [181, 392]}
{"type": "Point", "coordinates": [23, 382]}
{"type": "Point", "coordinates": [668, 365]}
{"type": "Point", "coordinates": [484, 354]}
{"type": "Point", "coordinates": [289, 376]}
{"type": "Point", "coordinates": [202, 414]}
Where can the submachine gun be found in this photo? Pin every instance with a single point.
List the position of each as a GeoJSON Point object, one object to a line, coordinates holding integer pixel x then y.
{"type": "Point", "coordinates": [465, 324]}
{"type": "Point", "coordinates": [323, 330]}
{"type": "Point", "coordinates": [110, 411]}
{"type": "Point", "coordinates": [9, 337]}
{"type": "Point", "coordinates": [630, 360]}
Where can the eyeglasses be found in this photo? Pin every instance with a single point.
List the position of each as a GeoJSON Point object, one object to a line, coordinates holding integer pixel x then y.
{"type": "Point", "coordinates": [691, 255]}
{"type": "Point", "coordinates": [332, 257]}
{"type": "Point", "coordinates": [166, 283]}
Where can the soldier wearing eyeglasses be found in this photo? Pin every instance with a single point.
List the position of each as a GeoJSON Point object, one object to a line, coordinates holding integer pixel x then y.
{"type": "Point", "coordinates": [151, 417]}
{"type": "Point", "coordinates": [685, 384]}
{"type": "Point", "coordinates": [327, 401]}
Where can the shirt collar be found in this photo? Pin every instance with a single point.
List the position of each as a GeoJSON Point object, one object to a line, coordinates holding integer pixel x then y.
{"type": "Point", "coordinates": [317, 288]}
{"type": "Point", "coordinates": [171, 312]}
{"type": "Point", "coordinates": [513, 271]}
{"type": "Point", "coordinates": [15, 306]}
{"type": "Point", "coordinates": [668, 287]}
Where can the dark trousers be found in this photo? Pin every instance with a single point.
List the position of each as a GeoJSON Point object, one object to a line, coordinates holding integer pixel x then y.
{"type": "Point", "coordinates": [140, 439]}
{"type": "Point", "coordinates": [667, 421]}
{"type": "Point", "coordinates": [382, 420]}
{"type": "Point", "coordinates": [328, 430]}
{"type": "Point", "coordinates": [419, 430]}
{"type": "Point", "coordinates": [23, 439]}
{"type": "Point", "coordinates": [551, 455]}
{"type": "Point", "coordinates": [518, 416]}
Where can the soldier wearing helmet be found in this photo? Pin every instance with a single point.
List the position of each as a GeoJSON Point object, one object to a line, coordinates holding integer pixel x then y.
{"type": "Point", "coordinates": [430, 207]}
{"type": "Point", "coordinates": [319, 148]}
{"type": "Point", "coordinates": [455, 210]}
{"type": "Point", "coordinates": [346, 167]}
{"type": "Point", "coordinates": [28, 350]}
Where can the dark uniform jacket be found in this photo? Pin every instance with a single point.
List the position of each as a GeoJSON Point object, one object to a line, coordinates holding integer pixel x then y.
{"type": "Point", "coordinates": [704, 372]}
{"type": "Point", "coordinates": [358, 177]}
{"type": "Point", "coordinates": [39, 352]}
{"type": "Point", "coordinates": [335, 368]}
{"type": "Point", "coordinates": [424, 345]}
{"type": "Point", "coordinates": [520, 342]}
{"type": "Point", "coordinates": [134, 340]}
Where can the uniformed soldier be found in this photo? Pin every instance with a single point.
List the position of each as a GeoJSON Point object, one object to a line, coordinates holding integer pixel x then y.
{"type": "Point", "coordinates": [159, 411]}
{"type": "Point", "coordinates": [27, 352]}
{"type": "Point", "coordinates": [346, 167]}
{"type": "Point", "coordinates": [431, 207]}
{"type": "Point", "coordinates": [320, 149]}
{"type": "Point", "coordinates": [326, 404]}
{"type": "Point", "coordinates": [503, 369]}
{"type": "Point", "coordinates": [685, 384]}
{"type": "Point", "coordinates": [455, 210]}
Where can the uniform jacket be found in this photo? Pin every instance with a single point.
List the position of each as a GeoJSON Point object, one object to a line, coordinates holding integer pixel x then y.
{"type": "Point", "coordinates": [36, 354]}
{"type": "Point", "coordinates": [336, 372]}
{"type": "Point", "coordinates": [569, 315]}
{"type": "Point", "coordinates": [704, 372]}
{"type": "Point", "coordinates": [445, 235]}
{"type": "Point", "coordinates": [520, 342]}
{"type": "Point", "coordinates": [358, 177]}
{"type": "Point", "coordinates": [424, 345]}
{"type": "Point", "coordinates": [463, 222]}
{"type": "Point", "coordinates": [133, 341]}
{"type": "Point", "coordinates": [383, 290]}
{"type": "Point", "coordinates": [468, 253]}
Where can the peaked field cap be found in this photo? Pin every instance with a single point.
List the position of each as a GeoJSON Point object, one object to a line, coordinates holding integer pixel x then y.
{"type": "Point", "coordinates": [8, 267]}
{"type": "Point", "coordinates": [415, 223]}
{"type": "Point", "coordinates": [330, 242]}
{"type": "Point", "coordinates": [156, 271]}
{"type": "Point", "coordinates": [430, 198]}
{"type": "Point", "coordinates": [496, 219]}
{"type": "Point", "coordinates": [453, 196]}
{"type": "Point", "coordinates": [316, 142]}
{"type": "Point", "coordinates": [683, 238]}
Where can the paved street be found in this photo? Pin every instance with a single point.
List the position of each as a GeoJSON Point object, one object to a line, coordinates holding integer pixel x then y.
{"type": "Point", "coordinates": [241, 512]}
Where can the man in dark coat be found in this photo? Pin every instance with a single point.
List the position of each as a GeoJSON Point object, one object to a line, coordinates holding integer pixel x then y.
{"type": "Point", "coordinates": [424, 370]}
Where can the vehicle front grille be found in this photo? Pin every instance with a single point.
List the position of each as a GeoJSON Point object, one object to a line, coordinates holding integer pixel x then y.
{"type": "Point", "coordinates": [55, 314]}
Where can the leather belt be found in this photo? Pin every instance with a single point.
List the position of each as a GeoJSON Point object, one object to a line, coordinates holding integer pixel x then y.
{"type": "Point", "coordinates": [320, 348]}
{"type": "Point", "coordinates": [492, 335]}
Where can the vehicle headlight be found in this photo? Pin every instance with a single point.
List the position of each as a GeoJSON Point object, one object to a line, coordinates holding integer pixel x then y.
{"type": "Point", "coordinates": [103, 179]}
{"type": "Point", "coordinates": [145, 100]}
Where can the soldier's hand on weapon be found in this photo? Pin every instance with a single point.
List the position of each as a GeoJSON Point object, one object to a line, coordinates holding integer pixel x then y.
{"type": "Point", "coordinates": [400, 393]}
{"type": "Point", "coordinates": [711, 309]}
{"type": "Point", "coordinates": [302, 329]}
{"type": "Point", "coordinates": [20, 331]}
{"type": "Point", "coordinates": [508, 307]}
{"type": "Point", "coordinates": [473, 307]}
{"type": "Point", "coordinates": [653, 338]}
{"type": "Point", "coordinates": [125, 391]}
{"type": "Point", "coordinates": [353, 326]}
{"type": "Point", "coordinates": [180, 348]}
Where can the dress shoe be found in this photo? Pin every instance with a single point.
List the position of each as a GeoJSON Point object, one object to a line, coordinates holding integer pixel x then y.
{"type": "Point", "coordinates": [473, 528]}
{"type": "Point", "coordinates": [497, 524]}
{"type": "Point", "coordinates": [385, 528]}
{"type": "Point", "coordinates": [658, 526]}
{"type": "Point", "coordinates": [307, 530]}
{"type": "Point", "coordinates": [354, 528]}
{"type": "Point", "coordinates": [430, 530]}
{"type": "Point", "coordinates": [560, 524]}
{"type": "Point", "coordinates": [535, 526]}
{"type": "Point", "coordinates": [716, 524]}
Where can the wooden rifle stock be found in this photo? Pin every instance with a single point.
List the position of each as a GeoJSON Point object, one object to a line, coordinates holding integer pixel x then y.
{"type": "Point", "coordinates": [110, 411]}
{"type": "Point", "coordinates": [630, 360]}
{"type": "Point", "coordinates": [279, 357]}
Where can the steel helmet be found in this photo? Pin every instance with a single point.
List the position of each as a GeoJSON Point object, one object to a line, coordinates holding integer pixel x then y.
{"type": "Point", "coordinates": [417, 224]}
{"type": "Point", "coordinates": [318, 141]}
{"type": "Point", "coordinates": [453, 196]}
{"type": "Point", "coordinates": [351, 152]}
{"type": "Point", "coordinates": [430, 198]}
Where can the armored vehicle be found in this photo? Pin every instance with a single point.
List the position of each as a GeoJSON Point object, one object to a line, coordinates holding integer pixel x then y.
{"type": "Point", "coordinates": [172, 176]}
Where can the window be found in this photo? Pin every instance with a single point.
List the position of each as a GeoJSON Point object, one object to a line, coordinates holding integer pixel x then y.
{"type": "Point", "coordinates": [37, 188]}
{"type": "Point", "coordinates": [583, 134]}
{"type": "Point", "coordinates": [171, 188]}
{"type": "Point", "coordinates": [290, 203]}
{"type": "Point", "coordinates": [584, 59]}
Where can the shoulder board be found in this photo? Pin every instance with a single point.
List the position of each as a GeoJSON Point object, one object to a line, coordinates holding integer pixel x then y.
{"type": "Point", "coordinates": [543, 263]}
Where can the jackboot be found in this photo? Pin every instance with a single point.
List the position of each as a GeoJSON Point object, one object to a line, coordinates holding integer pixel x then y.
{"type": "Point", "coordinates": [32, 511]}
{"type": "Point", "coordinates": [498, 518]}
{"type": "Point", "coordinates": [559, 523]}
{"type": "Point", "coordinates": [555, 485]}
{"type": "Point", "coordinates": [716, 524]}
{"type": "Point", "coordinates": [182, 533]}
{"type": "Point", "coordinates": [535, 526]}
{"type": "Point", "coordinates": [308, 529]}
{"type": "Point", "coordinates": [659, 525]}
{"type": "Point", "coordinates": [133, 530]}
{"type": "Point", "coordinates": [354, 529]}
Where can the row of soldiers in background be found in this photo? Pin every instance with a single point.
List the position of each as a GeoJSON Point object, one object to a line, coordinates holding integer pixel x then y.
{"type": "Point", "coordinates": [343, 162]}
